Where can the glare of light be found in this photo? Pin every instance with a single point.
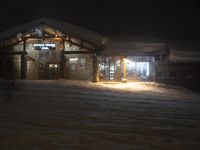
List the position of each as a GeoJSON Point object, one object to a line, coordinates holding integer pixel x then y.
{"type": "Point", "coordinates": [132, 64]}
{"type": "Point", "coordinates": [73, 59]}
{"type": "Point", "coordinates": [57, 39]}
{"type": "Point", "coordinates": [132, 86]}
{"type": "Point", "coordinates": [50, 65]}
{"type": "Point", "coordinates": [51, 45]}
{"type": "Point", "coordinates": [147, 69]}
{"type": "Point", "coordinates": [124, 80]}
{"type": "Point", "coordinates": [117, 62]}
{"type": "Point", "coordinates": [127, 60]}
{"type": "Point", "coordinates": [56, 65]}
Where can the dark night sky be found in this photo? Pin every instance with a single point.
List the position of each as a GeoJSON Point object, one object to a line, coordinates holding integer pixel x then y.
{"type": "Point", "coordinates": [170, 20]}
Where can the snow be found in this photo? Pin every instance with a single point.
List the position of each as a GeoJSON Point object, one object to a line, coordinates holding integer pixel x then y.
{"type": "Point", "coordinates": [76, 115]}
{"type": "Point", "coordinates": [131, 48]}
{"type": "Point", "coordinates": [184, 56]}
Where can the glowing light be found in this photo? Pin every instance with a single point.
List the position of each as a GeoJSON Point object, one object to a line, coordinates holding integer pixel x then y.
{"type": "Point", "coordinates": [56, 66]}
{"type": "Point", "coordinates": [132, 86]}
{"type": "Point", "coordinates": [147, 69]}
{"type": "Point", "coordinates": [124, 80]}
{"type": "Point", "coordinates": [73, 59]}
{"type": "Point", "coordinates": [57, 38]}
{"type": "Point", "coordinates": [50, 65]}
{"type": "Point", "coordinates": [127, 60]}
{"type": "Point", "coordinates": [44, 46]}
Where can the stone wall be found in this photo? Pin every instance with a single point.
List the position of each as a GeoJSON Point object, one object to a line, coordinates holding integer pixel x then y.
{"type": "Point", "coordinates": [37, 61]}
{"type": "Point", "coordinates": [74, 70]}
{"type": "Point", "coordinates": [37, 58]}
{"type": "Point", "coordinates": [183, 74]}
{"type": "Point", "coordinates": [10, 66]}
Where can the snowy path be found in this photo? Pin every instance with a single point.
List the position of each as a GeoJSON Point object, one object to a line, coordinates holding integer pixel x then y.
{"type": "Point", "coordinates": [81, 115]}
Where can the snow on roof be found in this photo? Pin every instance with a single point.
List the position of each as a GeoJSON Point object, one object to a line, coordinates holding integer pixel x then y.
{"type": "Point", "coordinates": [184, 51]}
{"type": "Point", "coordinates": [184, 56]}
{"type": "Point", "coordinates": [136, 38]}
{"type": "Point", "coordinates": [134, 45]}
{"type": "Point", "coordinates": [64, 27]}
{"type": "Point", "coordinates": [185, 45]}
{"type": "Point", "coordinates": [180, 51]}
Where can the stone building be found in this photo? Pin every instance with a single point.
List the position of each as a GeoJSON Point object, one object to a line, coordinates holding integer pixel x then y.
{"type": "Point", "coordinates": [51, 49]}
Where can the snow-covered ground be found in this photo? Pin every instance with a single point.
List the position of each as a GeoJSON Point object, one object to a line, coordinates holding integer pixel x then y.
{"type": "Point", "coordinates": [82, 115]}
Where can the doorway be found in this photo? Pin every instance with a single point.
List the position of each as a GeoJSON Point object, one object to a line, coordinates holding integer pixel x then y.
{"type": "Point", "coordinates": [52, 71]}
{"type": "Point", "coordinates": [107, 70]}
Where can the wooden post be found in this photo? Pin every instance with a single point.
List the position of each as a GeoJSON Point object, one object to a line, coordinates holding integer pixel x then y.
{"type": "Point", "coordinates": [155, 71]}
{"type": "Point", "coordinates": [123, 69]}
{"type": "Point", "coordinates": [62, 61]}
{"type": "Point", "coordinates": [24, 62]}
{"type": "Point", "coordinates": [124, 66]}
{"type": "Point", "coordinates": [95, 68]}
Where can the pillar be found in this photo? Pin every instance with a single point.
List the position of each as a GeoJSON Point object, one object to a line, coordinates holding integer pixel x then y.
{"type": "Point", "coordinates": [123, 69]}
{"type": "Point", "coordinates": [24, 62]}
{"type": "Point", "coordinates": [95, 68]}
{"type": "Point", "coordinates": [62, 65]}
{"type": "Point", "coordinates": [62, 61]}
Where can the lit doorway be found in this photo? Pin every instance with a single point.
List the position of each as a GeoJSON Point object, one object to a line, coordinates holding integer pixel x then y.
{"type": "Point", "coordinates": [52, 71]}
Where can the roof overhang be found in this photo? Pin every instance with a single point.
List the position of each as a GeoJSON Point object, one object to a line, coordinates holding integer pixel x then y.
{"type": "Point", "coordinates": [65, 28]}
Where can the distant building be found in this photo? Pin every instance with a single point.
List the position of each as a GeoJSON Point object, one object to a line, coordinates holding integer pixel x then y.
{"type": "Point", "coordinates": [51, 49]}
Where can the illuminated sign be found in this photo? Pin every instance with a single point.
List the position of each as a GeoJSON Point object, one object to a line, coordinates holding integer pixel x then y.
{"type": "Point", "coordinates": [44, 47]}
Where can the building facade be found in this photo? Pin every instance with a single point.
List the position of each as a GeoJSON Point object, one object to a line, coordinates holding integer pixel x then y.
{"type": "Point", "coordinates": [51, 49]}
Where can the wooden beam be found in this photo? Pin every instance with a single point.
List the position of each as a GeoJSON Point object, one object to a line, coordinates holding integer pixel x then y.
{"type": "Point", "coordinates": [24, 62]}
{"type": "Point", "coordinates": [61, 38]}
{"type": "Point", "coordinates": [41, 37]}
{"type": "Point", "coordinates": [11, 53]}
{"type": "Point", "coordinates": [79, 45]}
{"type": "Point", "coordinates": [78, 52]}
{"type": "Point", "coordinates": [2, 46]}
{"type": "Point", "coordinates": [62, 62]}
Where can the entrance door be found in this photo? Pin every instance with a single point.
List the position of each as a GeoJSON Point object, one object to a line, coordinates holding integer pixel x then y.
{"type": "Point", "coordinates": [108, 70]}
{"type": "Point", "coordinates": [52, 71]}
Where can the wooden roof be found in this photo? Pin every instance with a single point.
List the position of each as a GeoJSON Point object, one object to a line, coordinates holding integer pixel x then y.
{"type": "Point", "coordinates": [63, 27]}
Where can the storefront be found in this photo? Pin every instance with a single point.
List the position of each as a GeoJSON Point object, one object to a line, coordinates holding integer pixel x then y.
{"type": "Point", "coordinates": [132, 68]}
{"type": "Point", "coordinates": [49, 49]}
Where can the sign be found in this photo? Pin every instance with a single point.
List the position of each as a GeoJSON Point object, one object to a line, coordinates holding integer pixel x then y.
{"type": "Point", "coordinates": [44, 47]}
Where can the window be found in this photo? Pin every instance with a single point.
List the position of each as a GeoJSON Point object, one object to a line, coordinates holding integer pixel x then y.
{"type": "Point", "coordinates": [81, 63]}
{"type": "Point", "coordinates": [157, 58]}
{"type": "Point", "coordinates": [172, 74]}
{"type": "Point", "coordinates": [159, 74]}
{"type": "Point", "coordinates": [73, 63]}
{"type": "Point", "coordinates": [72, 66]}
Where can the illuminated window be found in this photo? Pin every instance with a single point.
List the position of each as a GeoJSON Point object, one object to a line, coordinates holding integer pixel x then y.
{"type": "Point", "coordinates": [73, 60]}
{"type": "Point", "coordinates": [50, 65]}
{"type": "Point", "coordinates": [73, 63]}
{"type": "Point", "coordinates": [81, 63]}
